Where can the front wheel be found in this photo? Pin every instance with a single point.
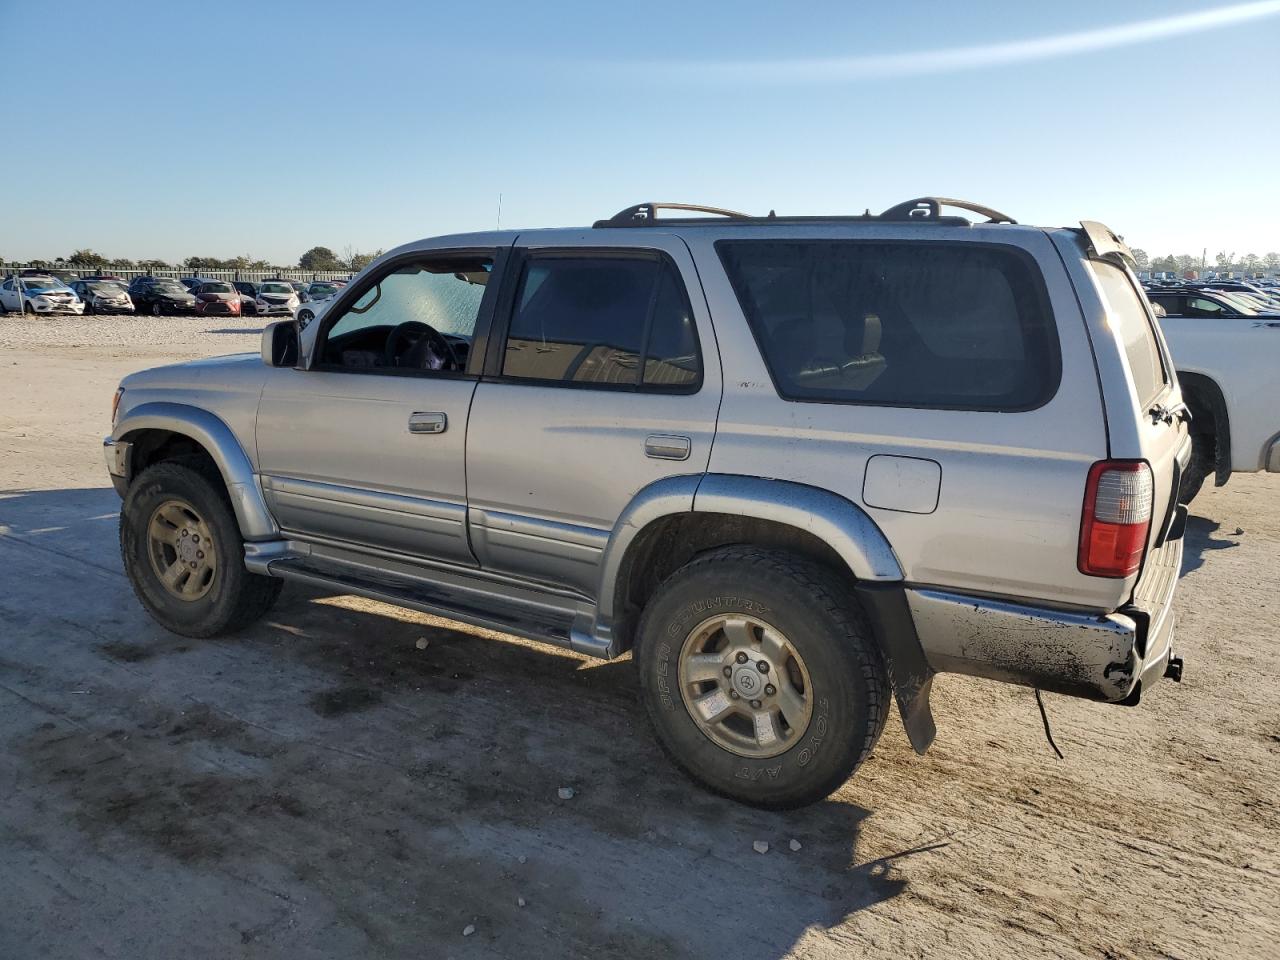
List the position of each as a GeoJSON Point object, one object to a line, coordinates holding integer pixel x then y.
{"type": "Point", "coordinates": [156, 310]}
{"type": "Point", "coordinates": [184, 556]}
{"type": "Point", "coordinates": [761, 676]}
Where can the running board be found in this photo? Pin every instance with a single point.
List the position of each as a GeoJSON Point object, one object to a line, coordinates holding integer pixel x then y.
{"type": "Point", "coordinates": [534, 617]}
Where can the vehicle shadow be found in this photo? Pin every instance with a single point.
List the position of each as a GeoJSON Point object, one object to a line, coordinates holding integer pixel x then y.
{"type": "Point", "coordinates": [1199, 541]}
{"type": "Point", "coordinates": [397, 771]}
{"type": "Point", "coordinates": [231, 330]}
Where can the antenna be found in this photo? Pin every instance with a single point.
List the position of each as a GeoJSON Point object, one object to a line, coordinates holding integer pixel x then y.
{"type": "Point", "coordinates": [499, 226]}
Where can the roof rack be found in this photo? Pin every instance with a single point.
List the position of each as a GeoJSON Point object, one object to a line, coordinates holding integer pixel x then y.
{"type": "Point", "coordinates": [922, 209]}
{"type": "Point", "coordinates": [644, 214]}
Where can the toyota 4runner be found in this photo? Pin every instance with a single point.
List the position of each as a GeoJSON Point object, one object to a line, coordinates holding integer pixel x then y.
{"type": "Point", "coordinates": [795, 465]}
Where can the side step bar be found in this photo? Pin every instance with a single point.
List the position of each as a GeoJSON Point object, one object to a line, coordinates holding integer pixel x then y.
{"type": "Point", "coordinates": [564, 627]}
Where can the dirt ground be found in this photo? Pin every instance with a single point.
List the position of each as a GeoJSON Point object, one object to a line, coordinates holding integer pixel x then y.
{"type": "Point", "coordinates": [321, 787]}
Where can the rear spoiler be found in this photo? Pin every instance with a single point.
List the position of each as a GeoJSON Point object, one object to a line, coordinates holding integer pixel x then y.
{"type": "Point", "coordinates": [1104, 244]}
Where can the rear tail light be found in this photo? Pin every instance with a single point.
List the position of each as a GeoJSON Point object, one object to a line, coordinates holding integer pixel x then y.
{"type": "Point", "coordinates": [1116, 518]}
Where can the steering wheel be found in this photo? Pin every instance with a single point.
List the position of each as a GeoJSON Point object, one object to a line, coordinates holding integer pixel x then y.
{"type": "Point", "coordinates": [419, 334]}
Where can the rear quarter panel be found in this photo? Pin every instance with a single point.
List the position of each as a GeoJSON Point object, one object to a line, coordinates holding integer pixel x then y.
{"type": "Point", "coordinates": [1007, 518]}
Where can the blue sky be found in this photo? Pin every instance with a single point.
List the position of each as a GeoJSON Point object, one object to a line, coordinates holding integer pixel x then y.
{"type": "Point", "coordinates": [170, 129]}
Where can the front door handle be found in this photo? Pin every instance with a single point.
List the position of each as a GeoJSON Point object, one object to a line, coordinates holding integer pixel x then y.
{"type": "Point", "coordinates": [662, 446]}
{"type": "Point", "coordinates": [428, 423]}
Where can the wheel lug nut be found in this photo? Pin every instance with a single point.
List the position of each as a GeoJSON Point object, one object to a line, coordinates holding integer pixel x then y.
{"type": "Point", "coordinates": [755, 704]}
{"type": "Point", "coordinates": [199, 554]}
{"type": "Point", "coordinates": [193, 564]}
{"type": "Point", "coordinates": [728, 671]}
{"type": "Point", "coordinates": [741, 658]}
{"type": "Point", "coordinates": [185, 532]}
{"type": "Point", "coordinates": [195, 538]}
{"type": "Point", "coordinates": [769, 690]}
{"type": "Point", "coordinates": [763, 666]}
{"type": "Point", "coordinates": [733, 694]}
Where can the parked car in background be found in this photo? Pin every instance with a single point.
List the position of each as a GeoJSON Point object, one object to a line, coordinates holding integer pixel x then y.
{"type": "Point", "coordinates": [248, 296]}
{"type": "Point", "coordinates": [39, 293]}
{"type": "Point", "coordinates": [299, 288]}
{"type": "Point", "coordinates": [217, 297]}
{"type": "Point", "coordinates": [319, 295]}
{"type": "Point", "coordinates": [192, 282]}
{"type": "Point", "coordinates": [64, 276]}
{"type": "Point", "coordinates": [1203, 303]}
{"type": "Point", "coordinates": [103, 296]}
{"type": "Point", "coordinates": [1226, 356]}
{"type": "Point", "coordinates": [161, 295]}
{"type": "Point", "coordinates": [276, 296]}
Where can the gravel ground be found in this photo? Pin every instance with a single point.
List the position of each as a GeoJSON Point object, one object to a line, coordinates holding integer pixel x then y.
{"type": "Point", "coordinates": [135, 336]}
{"type": "Point", "coordinates": [330, 785]}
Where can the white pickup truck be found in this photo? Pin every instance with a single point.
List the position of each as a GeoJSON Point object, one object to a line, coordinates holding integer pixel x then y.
{"type": "Point", "coordinates": [1227, 357]}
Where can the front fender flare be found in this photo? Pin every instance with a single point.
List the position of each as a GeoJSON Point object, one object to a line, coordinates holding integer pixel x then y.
{"type": "Point", "coordinates": [216, 437]}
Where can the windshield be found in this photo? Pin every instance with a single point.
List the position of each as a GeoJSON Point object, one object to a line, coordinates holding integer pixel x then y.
{"type": "Point", "coordinates": [42, 283]}
{"type": "Point", "coordinates": [275, 288]}
{"type": "Point", "coordinates": [169, 286]}
{"type": "Point", "coordinates": [216, 288]}
{"type": "Point", "coordinates": [106, 289]}
{"type": "Point", "coordinates": [1242, 302]}
{"type": "Point", "coordinates": [320, 291]}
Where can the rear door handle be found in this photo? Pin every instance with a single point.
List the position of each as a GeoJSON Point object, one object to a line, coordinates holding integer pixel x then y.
{"type": "Point", "coordinates": [661, 446]}
{"type": "Point", "coordinates": [428, 423]}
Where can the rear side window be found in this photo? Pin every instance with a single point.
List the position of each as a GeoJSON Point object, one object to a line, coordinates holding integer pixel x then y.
{"type": "Point", "coordinates": [604, 321]}
{"type": "Point", "coordinates": [1128, 314]}
{"type": "Point", "coordinates": [912, 324]}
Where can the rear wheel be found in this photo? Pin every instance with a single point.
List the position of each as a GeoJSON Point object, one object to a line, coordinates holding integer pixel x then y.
{"type": "Point", "coordinates": [184, 556]}
{"type": "Point", "coordinates": [761, 676]}
{"type": "Point", "coordinates": [305, 317]}
{"type": "Point", "coordinates": [1204, 454]}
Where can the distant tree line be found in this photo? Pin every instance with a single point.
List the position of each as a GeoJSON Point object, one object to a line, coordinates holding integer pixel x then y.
{"type": "Point", "coordinates": [317, 258]}
{"type": "Point", "coordinates": [1223, 262]}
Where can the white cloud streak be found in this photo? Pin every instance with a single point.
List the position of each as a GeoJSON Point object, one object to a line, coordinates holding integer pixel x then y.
{"type": "Point", "coordinates": [835, 69]}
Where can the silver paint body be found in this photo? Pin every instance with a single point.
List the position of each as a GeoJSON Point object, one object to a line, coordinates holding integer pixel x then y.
{"type": "Point", "coordinates": [529, 496]}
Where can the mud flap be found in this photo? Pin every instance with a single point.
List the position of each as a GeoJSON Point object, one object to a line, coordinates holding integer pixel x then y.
{"type": "Point", "coordinates": [909, 672]}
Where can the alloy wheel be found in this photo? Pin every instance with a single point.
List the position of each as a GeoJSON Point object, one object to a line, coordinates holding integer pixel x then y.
{"type": "Point", "coordinates": [181, 549]}
{"type": "Point", "coordinates": [745, 685]}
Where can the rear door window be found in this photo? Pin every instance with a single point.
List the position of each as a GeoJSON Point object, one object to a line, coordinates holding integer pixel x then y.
{"type": "Point", "coordinates": [605, 321]}
{"type": "Point", "coordinates": [912, 324]}
{"type": "Point", "coordinates": [1131, 319]}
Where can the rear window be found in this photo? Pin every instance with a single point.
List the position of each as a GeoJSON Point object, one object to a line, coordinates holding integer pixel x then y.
{"type": "Point", "coordinates": [911, 324]}
{"type": "Point", "coordinates": [1128, 314]}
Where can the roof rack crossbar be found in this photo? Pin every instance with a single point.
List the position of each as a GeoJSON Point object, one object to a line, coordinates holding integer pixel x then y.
{"type": "Point", "coordinates": [646, 213]}
{"type": "Point", "coordinates": [930, 208]}
{"type": "Point", "coordinates": [927, 209]}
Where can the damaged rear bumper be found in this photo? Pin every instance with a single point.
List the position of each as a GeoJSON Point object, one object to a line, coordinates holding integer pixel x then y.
{"type": "Point", "coordinates": [1112, 657]}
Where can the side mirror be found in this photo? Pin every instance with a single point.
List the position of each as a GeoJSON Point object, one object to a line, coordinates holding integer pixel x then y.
{"type": "Point", "coordinates": [280, 344]}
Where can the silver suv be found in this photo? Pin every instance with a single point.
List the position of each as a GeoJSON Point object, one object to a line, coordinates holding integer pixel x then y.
{"type": "Point", "coordinates": [796, 465]}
